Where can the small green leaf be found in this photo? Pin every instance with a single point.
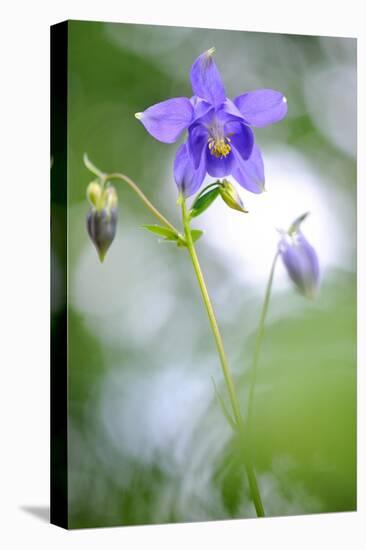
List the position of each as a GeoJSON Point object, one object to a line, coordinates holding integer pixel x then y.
{"type": "Point", "coordinates": [196, 234]}
{"type": "Point", "coordinates": [164, 232]}
{"type": "Point", "coordinates": [203, 202]}
{"type": "Point", "coordinates": [169, 235]}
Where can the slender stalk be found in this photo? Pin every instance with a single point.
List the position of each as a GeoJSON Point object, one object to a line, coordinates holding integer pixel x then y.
{"type": "Point", "coordinates": [222, 355]}
{"type": "Point", "coordinates": [211, 316]}
{"type": "Point", "coordinates": [104, 178]}
{"type": "Point", "coordinates": [144, 199]}
{"type": "Point", "coordinates": [90, 166]}
{"type": "Point", "coordinates": [258, 344]}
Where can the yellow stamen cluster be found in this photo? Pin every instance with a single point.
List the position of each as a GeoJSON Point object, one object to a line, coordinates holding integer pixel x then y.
{"type": "Point", "coordinates": [220, 148]}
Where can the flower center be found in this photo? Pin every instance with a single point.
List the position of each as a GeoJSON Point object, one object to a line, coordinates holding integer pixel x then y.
{"type": "Point", "coordinates": [220, 148]}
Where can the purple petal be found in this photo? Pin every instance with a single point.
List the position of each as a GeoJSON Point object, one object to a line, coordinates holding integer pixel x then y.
{"type": "Point", "coordinates": [200, 106]}
{"type": "Point", "coordinates": [249, 173]}
{"type": "Point", "coordinates": [231, 109]}
{"type": "Point", "coordinates": [166, 121]}
{"type": "Point", "coordinates": [206, 80]}
{"type": "Point", "coordinates": [218, 167]}
{"type": "Point", "coordinates": [241, 137]}
{"type": "Point", "coordinates": [197, 140]}
{"type": "Point", "coordinates": [301, 263]}
{"type": "Point", "coordinates": [262, 107]}
{"type": "Point", "coordinates": [187, 178]}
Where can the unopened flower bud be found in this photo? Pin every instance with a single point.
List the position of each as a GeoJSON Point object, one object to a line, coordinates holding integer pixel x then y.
{"type": "Point", "coordinates": [300, 259]}
{"type": "Point", "coordinates": [102, 225]}
{"type": "Point", "coordinates": [230, 195]}
{"type": "Point", "coordinates": [102, 216]}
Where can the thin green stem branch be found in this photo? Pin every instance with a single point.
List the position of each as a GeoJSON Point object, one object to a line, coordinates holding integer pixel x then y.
{"type": "Point", "coordinates": [90, 166]}
{"type": "Point", "coordinates": [223, 359]}
{"type": "Point", "coordinates": [104, 178]}
{"type": "Point", "coordinates": [258, 344]}
{"type": "Point", "coordinates": [144, 199]}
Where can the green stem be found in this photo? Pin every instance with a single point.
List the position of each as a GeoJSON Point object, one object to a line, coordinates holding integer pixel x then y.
{"type": "Point", "coordinates": [211, 315]}
{"type": "Point", "coordinates": [90, 166]}
{"type": "Point", "coordinates": [258, 344]}
{"type": "Point", "coordinates": [222, 355]}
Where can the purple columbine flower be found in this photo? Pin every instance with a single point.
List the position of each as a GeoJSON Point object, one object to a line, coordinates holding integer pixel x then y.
{"type": "Point", "coordinates": [300, 259]}
{"type": "Point", "coordinates": [220, 139]}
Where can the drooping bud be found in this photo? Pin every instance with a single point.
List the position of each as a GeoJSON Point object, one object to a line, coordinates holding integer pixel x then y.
{"type": "Point", "coordinates": [102, 226]}
{"type": "Point", "coordinates": [230, 195]}
{"type": "Point", "coordinates": [102, 217]}
{"type": "Point", "coordinates": [300, 259]}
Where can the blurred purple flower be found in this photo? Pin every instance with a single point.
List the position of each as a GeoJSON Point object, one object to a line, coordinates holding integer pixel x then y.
{"type": "Point", "coordinates": [220, 140]}
{"type": "Point", "coordinates": [300, 260]}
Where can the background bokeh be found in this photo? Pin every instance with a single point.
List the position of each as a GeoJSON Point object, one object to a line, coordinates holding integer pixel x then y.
{"type": "Point", "coordinates": [147, 439]}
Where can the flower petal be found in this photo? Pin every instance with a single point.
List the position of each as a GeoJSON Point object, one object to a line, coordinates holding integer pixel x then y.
{"type": "Point", "coordinates": [197, 140]}
{"type": "Point", "coordinates": [231, 110]}
{"type": "Point", "coordinates": [206, 80]}
{"type": "Point", "coordinates": [186, 177]}
{"type": "Point", "coordinates": [201, 107]}
{"type": "Point", "coordinates": [218, 167]}
{"type": "Point", "coordinates": [165, 121]}
{"type": "Point", "coordinates": [241, 137]}
{"type": "Point", "coordinates": [262, 107]}
{"type": "Point", "coordinates": [249, 173]}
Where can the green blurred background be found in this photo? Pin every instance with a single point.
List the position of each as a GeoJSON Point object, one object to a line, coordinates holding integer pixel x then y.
{"type": "Point", "coordinates": [147, 440]}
